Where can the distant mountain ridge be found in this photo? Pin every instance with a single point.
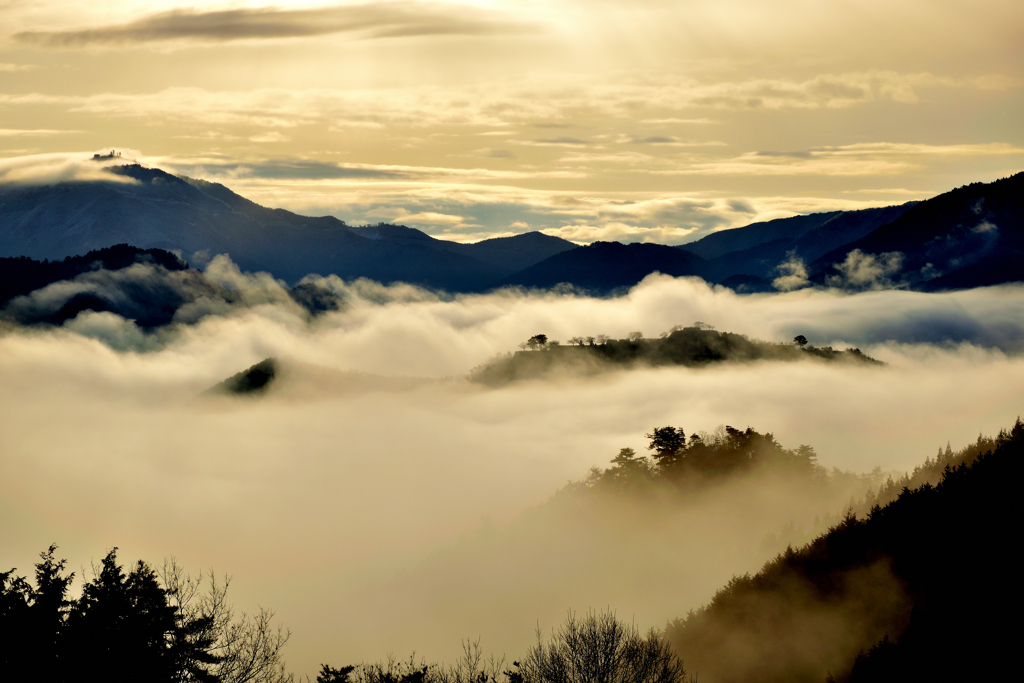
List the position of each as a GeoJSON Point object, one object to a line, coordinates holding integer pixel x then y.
{"type": "Point", "coordinates": [972, 236]}
{"type": "Point", "coordinates": [606, 267]}
{"type": "Point", "coordinates": [968, 237]}
{"type": "Point", "coordinates": [154, 209]}
{"type": "Point", "coordinates": [739, 255]}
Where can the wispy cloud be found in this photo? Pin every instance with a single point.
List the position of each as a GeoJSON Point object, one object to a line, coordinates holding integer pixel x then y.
{"type": "Point", "coordinates": [365, 21]}
{"type": "Point", "coordinates": [564, 141]}
{"type": "Point", "coordinates": [32, 132]}
{"type": "Point", "coordinates": [495, 105]}
{"type": "Point", "coordinates": [303, 169]}
{"type": "Point", "coordinates": [862, 159]}
{"type": "Point", "coordinates": [40, 169]}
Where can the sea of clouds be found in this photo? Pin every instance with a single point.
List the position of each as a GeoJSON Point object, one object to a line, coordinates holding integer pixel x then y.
{"type": "Point", "coordinates": [383, 504]}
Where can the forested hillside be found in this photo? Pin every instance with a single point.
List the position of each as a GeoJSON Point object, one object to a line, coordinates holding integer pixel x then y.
{"type": "Point", "coordinates": [692, 346]}
{"type": "Point", "coordinates": [919, 589]}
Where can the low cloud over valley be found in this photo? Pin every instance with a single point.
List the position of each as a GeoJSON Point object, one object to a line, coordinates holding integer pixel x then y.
{"type": "Point", "coordinates": [381, 503]}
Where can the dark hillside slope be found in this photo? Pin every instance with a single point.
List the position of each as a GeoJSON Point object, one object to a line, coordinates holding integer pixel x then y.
{"type": "Point", "coordinates": [753, 235]}
{"type": "Point", "coordinates": [514, 253]}
{"type": "Point", "coordinates": [805, 239]}
{"type": "Point", "coordinates": [605, 267]}
{"type": "Point", "coordinates": [923, 589]}
{"type": "Point", "coordinates": [151, 209]}
{"type": "Point", "coordinates": [22, 275]}
{"type": "Point", "coordinates": [969, 237]}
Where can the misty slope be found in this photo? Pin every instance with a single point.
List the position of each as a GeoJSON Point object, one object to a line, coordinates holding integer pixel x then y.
{"type": "Point", "coordinates": [21, 275]}
{"type": "Point", "coordinates": [150, 287]}
{"type": "Point", "coordinates": [969, 237]}
{"type": "Point", "coordinates": [925, 586]}
{"type": "Point", "coordinates": [150, 208]}
{"type": "Point", "coordinates": [744, 258]}
{"type": "Point", "coordinates": [604, 267]}
{"type": "Point", "coordinates": [638, 534]}
{"type": "Point", "coordinates": [687, 346]}
{"type": "Point", "coordinates": [788, 237]}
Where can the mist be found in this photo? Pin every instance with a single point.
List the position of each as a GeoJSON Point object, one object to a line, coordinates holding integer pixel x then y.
{"type": "Point", "coordinates": [382, 504]}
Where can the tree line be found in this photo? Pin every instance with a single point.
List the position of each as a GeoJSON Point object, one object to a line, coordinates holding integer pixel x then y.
{"type": "Point", "coordinates": [136, 625]}
{"type": "Point", "coordinates": [695, 345]}
{"type": "Point", "coordinates": [704, 458]}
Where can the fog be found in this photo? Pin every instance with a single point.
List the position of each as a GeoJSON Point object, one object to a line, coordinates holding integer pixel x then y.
{"type": "Point", "coordinates": [380, 503]}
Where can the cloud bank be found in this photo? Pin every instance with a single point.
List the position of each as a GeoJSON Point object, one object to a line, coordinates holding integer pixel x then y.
{"type": "Point", "coordinates": [372, 497]}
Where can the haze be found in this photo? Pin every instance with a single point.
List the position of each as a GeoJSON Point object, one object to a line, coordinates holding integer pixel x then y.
{"type": "Point", "coordinates": [382, 511]}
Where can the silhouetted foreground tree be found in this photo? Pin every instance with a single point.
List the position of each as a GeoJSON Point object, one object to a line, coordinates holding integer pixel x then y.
{"type": "Point", "coordinates": [136, 626]}
{"type": "Point", "coordinates": [923, 589]}
{"type": "Point", "coordinates": [595, 648]}
{"type": "Point", "coordinates": [599, 648]}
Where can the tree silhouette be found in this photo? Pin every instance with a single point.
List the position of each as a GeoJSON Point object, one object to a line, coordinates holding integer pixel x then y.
{"type": "Point", "coordinates": [537, 341]}
{"type": "Point", "coordinates": [120, 628]}
{"type": "Point", "coordinates": [666, 442]}
{"type": "Point", "coordinates": [134, 626]}
{"type": "Point", "coordinates": [599, 648]}
{"type": "Point", "coordinates": [329, 674]}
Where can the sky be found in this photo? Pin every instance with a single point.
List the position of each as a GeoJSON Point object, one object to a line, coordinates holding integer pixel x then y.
{"type": "Point", "coordinates": [645, 120]}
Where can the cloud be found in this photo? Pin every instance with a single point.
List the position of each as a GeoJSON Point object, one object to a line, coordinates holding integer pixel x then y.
{"type": "Point", "coordinates": [860, 271]}
{"type": "Point", "coordinates": [666, 220]}
{"type": "Point", "coordinates": [555, 142]}
{"type": "Point", "coordinates": [43, 169]}
{"type": "Point", "coordinates": [366, 21]}
{"type": "Point", "coordinates": [215, 166]}
{"type": "Point", "coordinates": [861, 159]}
{"type": "Point", "coordinates": [671, 141]}
{"type": "Point", "coordinates": [617, 231]}
{"type": "Point", "coordinates": [305, 169]}
{"type": "Point", "coordinates": [419, 485]}
{"type": "Point", "coordinates": [150, 296]}
{"type": "Point", "coordinates": [678, 121]}
{"type": "Point", "coordinates": [32, 132]}
{"type": "Point", "coordinates": [113, 330]}
{"type": "Point", "coordinates": [741, 206]}
{"type": "Point", "coordinates": [270, 136]}
{"type": "Point", "coordinates": [655, 140]}
{"type": "Point", "coordinates": [515, 102]}
{"type": "Point", "coordinates": [792, 274]}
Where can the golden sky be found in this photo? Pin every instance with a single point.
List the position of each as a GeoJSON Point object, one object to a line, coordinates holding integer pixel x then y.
{"type": "Point", "coordinates": [643, 120]}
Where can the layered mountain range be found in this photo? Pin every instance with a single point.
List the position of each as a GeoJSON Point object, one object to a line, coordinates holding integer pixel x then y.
{"type": "Point", "coordinates": [149, 208]}
{"type": "Point", "coordinates": [968, 237]}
